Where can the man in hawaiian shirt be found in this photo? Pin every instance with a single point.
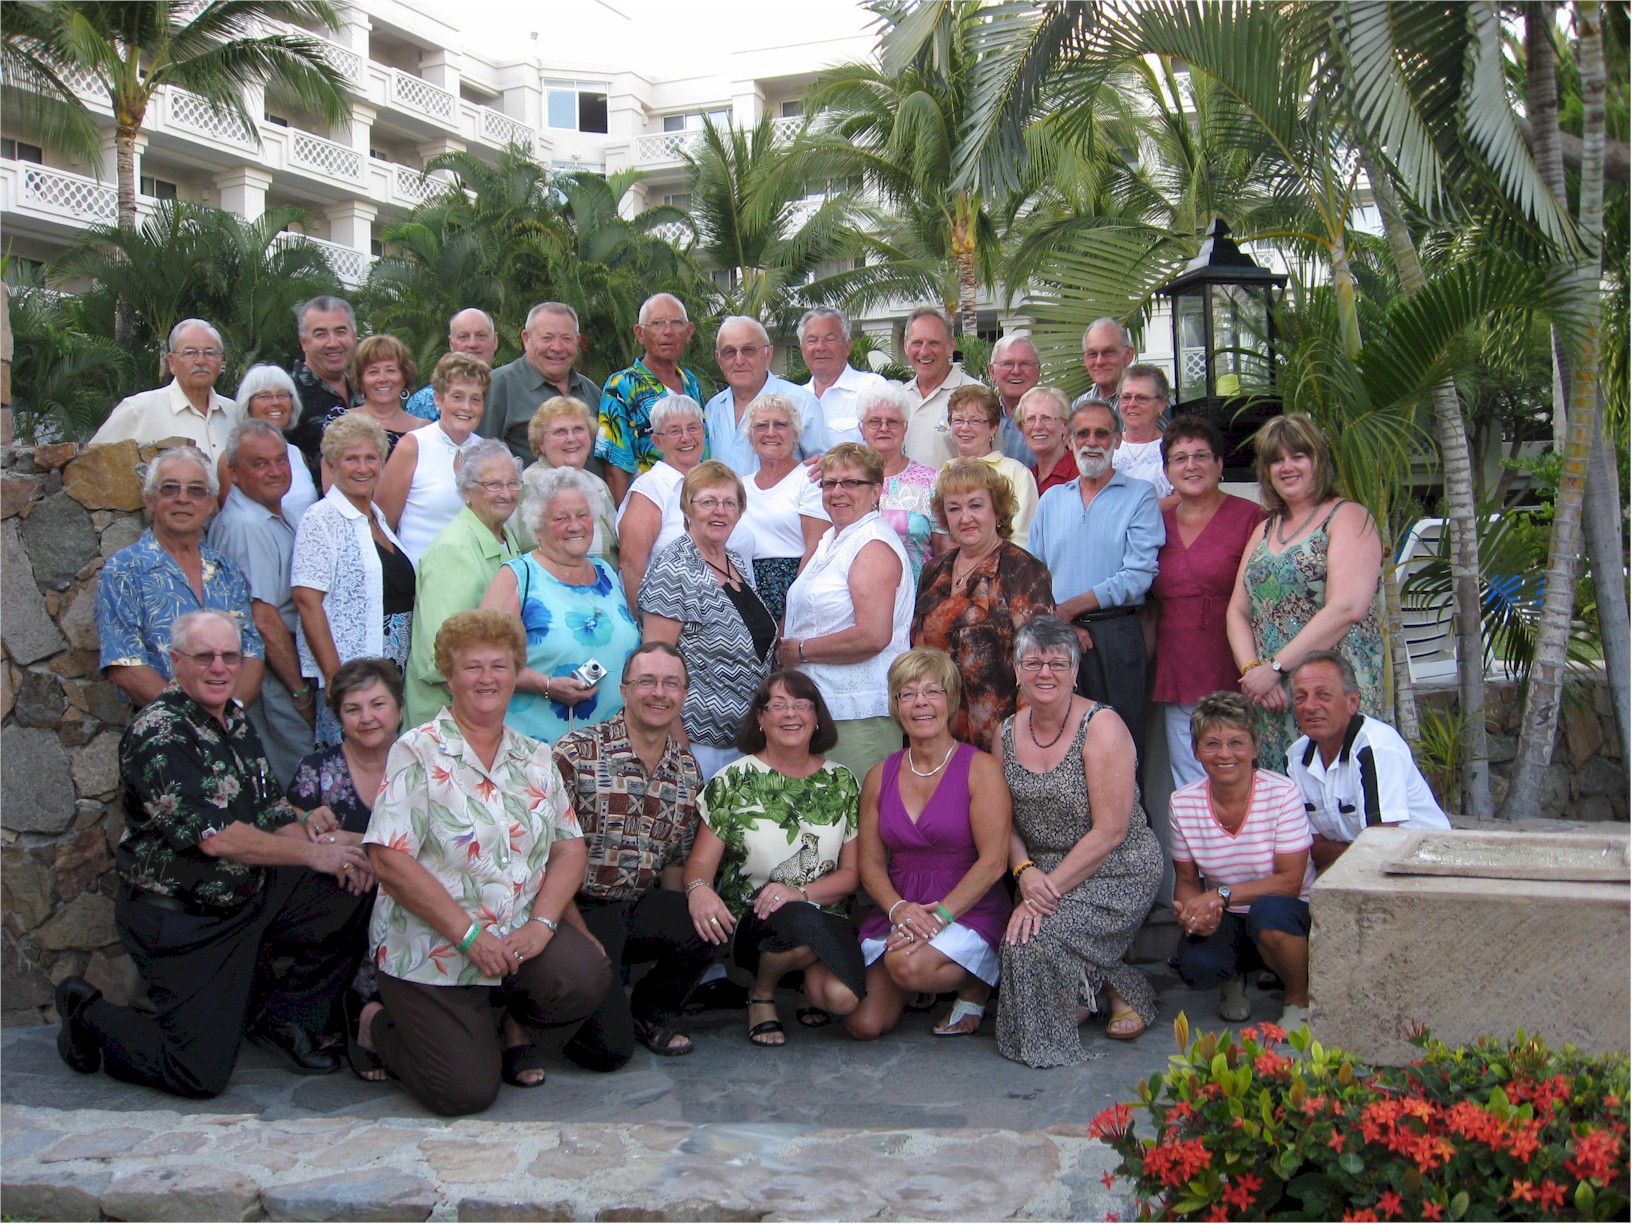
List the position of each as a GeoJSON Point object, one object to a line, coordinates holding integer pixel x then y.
{"type": "Point", "coordinates": [635, 791]}
{"type": "Point", "coordinates": [197, 903]}
{"type": "Point", "coordinates": [625, 442]}
{"type": "Point", "coordinates": [167, 571]}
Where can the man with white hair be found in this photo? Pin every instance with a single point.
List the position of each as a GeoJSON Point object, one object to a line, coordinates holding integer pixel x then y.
{"type": "Point", "coordinates": [1107, 350]}
{"type": "Point", "coordinates": [470, 331]}
{"type": "Point", "coordinates": [824, 343]}
{"type": "Point", "coordinates": [167, 571]}
{"type": "Point", "coordinates": [187, 406]}
{"type": "Point", "coordinates": [624, 441]}
{"type": "Point", "coordinates": [1015, 368]}
{"type": "Point", "coordinates": [744, 350]}
{"type": "Point", "coordinates": [930, 343]}
{"type": "Point", "coordinates": [211, 887]}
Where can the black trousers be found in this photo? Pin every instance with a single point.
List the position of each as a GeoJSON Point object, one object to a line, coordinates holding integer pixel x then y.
{"type": "Point", "coordinates": [206, 974]}
{"type": "Point", "coordinates": [654, 929]}
{"type": "Point", "coordinates": [1114, 671]}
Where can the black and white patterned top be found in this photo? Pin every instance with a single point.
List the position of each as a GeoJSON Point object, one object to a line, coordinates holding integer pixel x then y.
{"type": "Point", "coordinates": [721, 662]}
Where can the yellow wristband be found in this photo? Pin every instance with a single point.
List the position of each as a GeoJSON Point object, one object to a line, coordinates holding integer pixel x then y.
{"type": "Point", "coordinates": [1250, 664]}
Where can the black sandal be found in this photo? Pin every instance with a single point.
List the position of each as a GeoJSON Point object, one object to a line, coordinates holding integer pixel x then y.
{"type": "Point", "coordinates": [813, 1017]}
{"type": "Point", "coordinates": [518, 1059]}
{"type": "Point", "coordinates": [657, 1038]}
{"type": "Point", "coordinates": [766, 1027]}
{"type": "Point", "coordinates": [359, 1058]}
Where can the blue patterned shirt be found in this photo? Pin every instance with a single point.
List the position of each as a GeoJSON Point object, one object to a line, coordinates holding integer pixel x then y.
{"type": "Point", "coordinates": [625, 439]}
{"type": "Point", "coordinates": [142, 592]}
{"type": "Point", "coordinates": [422, 404]}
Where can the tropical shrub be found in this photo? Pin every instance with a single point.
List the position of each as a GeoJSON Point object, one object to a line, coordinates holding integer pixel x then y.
{"type": "Point", "coordinates": [1264, 1125]}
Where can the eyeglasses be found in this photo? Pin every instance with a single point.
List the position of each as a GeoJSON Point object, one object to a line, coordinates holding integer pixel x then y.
{"type": "Point", "coordinates": [708, 505]}
{"type": "Point", "coordinates": [972, 422]}
{"type": "Point", "coordinates": [650, 684]}
{"type": "Point", "coordinates": [170, 491]}
{"type": "Point", "coordinates": [1016, 365]}
{"type": "Point", "coordinates": [882, 423]}
{"type": "Point", "coordinates": [193, 354]}
{"type": "Point", "coordinates": [1184, 457]}
{"type": "Point", "coordinates": [931, 692]}
{"type": "Point", "coordinates": [1053, 665]}
{"type": "Point", "coordinates": [499, 486]}
{"type": "Point", "coordinates": [769, 426]}
{"type": "Point", "coordinates": [1101, 354]}
{"type": "Point", "coordinates": [695, 429]}
{"type": "Point", "coordinates": [666, 324]}
{"type": "Point", "coordinates": [1085, 435]}
{"type": "Point", "coordinates": [780, 705]}
{"type": "Point", "coordinates": [750, 351]}
{"type": "Point", "coordinates": [848, 485]}
{"type": "Point", "coordinates": [204, 658]}
{"type": "Point", "coordinates": [274, 395]}
{"type": "Point", "coordinates": [1128, 397]}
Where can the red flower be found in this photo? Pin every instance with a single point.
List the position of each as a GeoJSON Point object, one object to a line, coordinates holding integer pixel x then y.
{"type": "Point", "coordinates": [1360, 1215]}
{"type": "Point", "coordinates": [1431, 1211]}
{"type": "Point", "coordinates": [1250, 1033]}
{"type": "Point", "coordinates": [1552, 1195]}
{"type": "Point", "coordinates": [1594, 1152]}
{"type": "Point", "coordinates": [1173, 1164]}
{"type": "Point", "coordinates": [1523, 1191]}
{"type": "Point", "coordinates": [1268, 1063]}
{"type": "Point", "coordinates": [1111, 1122]}
{"type": "Point", "coordinates": [1272, 1031]}
{"type": "Point", "coordinates": [1336, 1141]}
{"type": "Point", "coordinates": [1218, 1212]}
{"type": "Point", "coordinates": [1242, 1189]}
{"type": "Point", "coordinates": [1108, 1178]}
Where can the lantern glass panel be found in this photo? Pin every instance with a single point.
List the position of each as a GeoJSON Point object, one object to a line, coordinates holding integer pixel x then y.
{"type": "Point", "coordinates": [1190, 324]}
{"type": "Point", "coordinates": [1240, 337]}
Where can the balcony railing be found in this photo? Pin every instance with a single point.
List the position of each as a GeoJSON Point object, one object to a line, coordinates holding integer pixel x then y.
{"type": "Point", "coordinates": [666, 148]}
{"type": "Point", "coordinates": [71, 196]}
{"type": "Point", "coordinates": [349, 265]}
{"type": "Point", "coordinates": [194, 114]}
{"type": "Point", "coordinates": [500, 129]}
{"type": "Point", "coordinates": [424, 99]}
{"type": "Point", "coordinates": [314, 153]}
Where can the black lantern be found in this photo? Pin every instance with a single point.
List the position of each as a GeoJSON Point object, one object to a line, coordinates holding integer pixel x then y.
{"type": "Point", "coordinates": [1224, 342]}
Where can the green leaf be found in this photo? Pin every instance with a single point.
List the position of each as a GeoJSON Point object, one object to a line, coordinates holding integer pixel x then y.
{"type": "Point", "coordinates": [1584, 1197]}
{"type": "Point", "coordinates": [1459, 1204]}
{"type": "Point", "coordinates": [1352, 1163]}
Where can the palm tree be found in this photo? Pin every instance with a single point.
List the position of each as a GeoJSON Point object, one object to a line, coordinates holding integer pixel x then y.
{"type": "Point", "coordinates": [65, 378]}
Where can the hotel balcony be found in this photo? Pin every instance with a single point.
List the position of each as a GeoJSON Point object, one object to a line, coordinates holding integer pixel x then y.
{"type": "Point", "coordinates": [665, 150]}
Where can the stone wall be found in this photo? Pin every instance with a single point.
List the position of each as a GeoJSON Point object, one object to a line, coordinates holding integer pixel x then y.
{"type": "Point", "coordinates": [62, 513]}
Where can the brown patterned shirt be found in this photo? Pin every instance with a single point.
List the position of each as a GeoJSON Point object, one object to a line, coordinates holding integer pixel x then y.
{"type": "Point", "coordinates": [634, 823]}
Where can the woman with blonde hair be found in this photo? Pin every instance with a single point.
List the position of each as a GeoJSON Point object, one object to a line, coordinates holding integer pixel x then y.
{"type": "Point", "coordinates": [562, 434]}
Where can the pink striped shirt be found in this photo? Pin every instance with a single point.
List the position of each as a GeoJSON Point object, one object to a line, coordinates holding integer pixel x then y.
{"type": "Point", "coordinates": [1275, 824]}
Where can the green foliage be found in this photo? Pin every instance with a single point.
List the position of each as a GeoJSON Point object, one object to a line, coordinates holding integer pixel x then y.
{"type": "Point", "coordinates": [1441, 752]}
{"type": "Point", "coordinates": [64, 379]}
{"type": "Point", "coordinates": [1244, 1128]}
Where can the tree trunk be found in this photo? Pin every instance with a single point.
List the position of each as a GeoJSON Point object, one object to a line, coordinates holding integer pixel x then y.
{"type": "Point", "coordinates": [1541, 102]}
{"type": "Point", "coordinates": [1348, 314]}
{"type": "Point", "coordinates": [963, 256]}
{"type": "Point", "coordinates": [1603, 526]}
{"type": "Point", "coordinates": [1539, 723]}
{"type": "Point", "coordinates": [1406, 721]}
{"type": "Point", "coordinates": [124, 325]}
{"type": "Point", "coordinates": [1461, 510]}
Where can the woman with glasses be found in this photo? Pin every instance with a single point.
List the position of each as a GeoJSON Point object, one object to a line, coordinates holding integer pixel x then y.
{"type": "Point", "coordinates": [700, 597]}
{"type": "Point", "coordinates": [418, 489]}
{"type": "Point", "coordinates": [974, 415]}
{"type": "Point", "coordinates": [934, 843]}
{"type": "Point", "coordinates": [459, 566]}
{"type": "Point", "coordinates": [904, 497]}
{"type": "Point", "coordinates": [267, 393]}
{"type": "Point", "coordinates": [1083, 857]}
{"type": "Point", "coordinates": [562, 434]}
{"type": "Point", "coordinates": [1207, 532]}
{"type": "Point", "coordinates": [850, 610]}
{"type": "Point", "coordinates": [1142, 400]}
{"type": "Point", "coordinates": [784, 508]}
{"type": "Point", "coordinates": [650, 519]}
{"type": "Point", "coordinates": [972, 599]}
{"type": "Point", "coordinates": [774, 863]}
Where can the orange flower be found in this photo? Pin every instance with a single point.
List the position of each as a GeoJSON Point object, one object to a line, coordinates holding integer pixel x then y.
{"type": "Point", "coordinates": [1431, 1211]}
{"type": "Point", "coordinates": [1390, 1204]}
{"type": "Point", "coordinates": [1551, 1195]}
{"type": "Point", "coordinates": [1523, 1191]}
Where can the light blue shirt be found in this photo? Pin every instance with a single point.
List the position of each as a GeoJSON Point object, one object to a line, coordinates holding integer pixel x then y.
{"type": "Point", "coordinates": [1109, 548]}
{"type": "Point", "coordinates": [1013, 443]}
{"type": "Point", "coordinates": [728, 439]}
{"type": "Point", "coordinates": [422, 403]}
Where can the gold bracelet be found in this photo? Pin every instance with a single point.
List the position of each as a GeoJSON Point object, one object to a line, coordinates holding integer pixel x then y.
{"type": "Point", "coordinates": [1250, 664]}
{"type": "Point", "coordinates": [1021, 868]}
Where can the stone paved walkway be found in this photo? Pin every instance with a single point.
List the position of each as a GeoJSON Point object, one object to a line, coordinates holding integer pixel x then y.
{"type": "Point", "coordinates": [910, 1127]}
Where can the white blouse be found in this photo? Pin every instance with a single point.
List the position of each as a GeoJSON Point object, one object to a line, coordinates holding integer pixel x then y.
{"type": "Point", "coordinates": [774, 515]}
{"type": "Point", "coordinates": [334, 553]}
{"type": "Point", "coordinates": [660, 484]}
{"type": "Point", "coordinates": [433, 494]}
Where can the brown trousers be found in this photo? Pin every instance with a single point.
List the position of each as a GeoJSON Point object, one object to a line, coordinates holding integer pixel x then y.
{"type": "Point", "coordinates": [442, 1042]}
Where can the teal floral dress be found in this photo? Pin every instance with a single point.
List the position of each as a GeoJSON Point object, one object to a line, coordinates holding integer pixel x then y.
{"type": "Point", "coordinates": [1284, 593]}
{"type": "Point", "coordinates": [567, 625]}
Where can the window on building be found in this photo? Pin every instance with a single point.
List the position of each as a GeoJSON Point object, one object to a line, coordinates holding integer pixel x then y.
{"type": "Point", "coordinates": [692, 121]}
{"type": "Point", "coordinates": [157, 188]}
{"type": "Point", "coordinates": [276, 120]}
{"type": "Point", "coordinates": [678, 199]}
{"type": "Point", "coordinates": [576, 106]}
{"type": "Point", "coordinates": [21, 150]}
{"type": "Point", "coordinates": [793, 109]}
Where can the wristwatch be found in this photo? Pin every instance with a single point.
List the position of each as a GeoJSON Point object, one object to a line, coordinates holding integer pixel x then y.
{"type": "Point", "coordinates": [1275, 666]}
{"type": "Point", "coordinates": [1224, 895]}
{"type": "Point", "coordinates": [549, 922]}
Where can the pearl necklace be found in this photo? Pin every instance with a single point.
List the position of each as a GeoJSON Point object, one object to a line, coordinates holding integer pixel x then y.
{"type": "Point", "coordinates": [919, 773]}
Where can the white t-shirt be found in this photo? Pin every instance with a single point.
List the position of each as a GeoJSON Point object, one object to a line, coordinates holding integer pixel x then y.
{"type": "Point", "coordinates": [1373, 780]}
{"type": "Point", "coordinates": [1143, 460]}
{"type": "Point", "coordinates": [1274, 825]}
{"type": "Point", "coordinates": [773, 514]}
{"type": "Point", "coordinates": [660, 484]}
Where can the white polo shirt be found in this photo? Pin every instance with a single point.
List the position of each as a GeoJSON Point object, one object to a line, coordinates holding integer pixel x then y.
{"type": "Point", "coordinates": [1373, 780]}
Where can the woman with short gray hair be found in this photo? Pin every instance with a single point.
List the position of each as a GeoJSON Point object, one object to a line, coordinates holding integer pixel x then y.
{"type": "Point", "coordinates": [267, 393]}
{"type": "Point", "coordinates": [909, 486]}
{"type": "Point", "coordinates": [579, 628]}
{"type": "Point", "coordinates": [784, 512]}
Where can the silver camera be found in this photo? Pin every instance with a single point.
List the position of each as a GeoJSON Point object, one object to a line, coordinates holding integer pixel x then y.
{"type": "Point", "coordinates": [590, 674]}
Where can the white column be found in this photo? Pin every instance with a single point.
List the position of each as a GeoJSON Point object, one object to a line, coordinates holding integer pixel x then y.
{"type": "Point", "coordinates": [442, 144]}
{"type": "Point", "coordinates": [243, 191]}
{"type": "Point", "coordinates": [747, 103]}
{"type": "Point", "coordinates": [362, 125]}
{"type": "Point", "coordinates": [352, 224]}
{"type": "Point", "coordinates": [441, 67]}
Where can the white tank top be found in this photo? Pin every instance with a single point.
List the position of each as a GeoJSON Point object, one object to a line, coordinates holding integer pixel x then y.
{"type": "Point", "coordinates": [819, 603]}
{"type": "Point", "coordinates": [433, 498]}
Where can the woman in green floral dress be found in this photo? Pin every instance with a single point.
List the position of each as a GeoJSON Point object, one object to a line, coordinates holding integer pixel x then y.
{"type": "Point", "coordinates": [775, 859]}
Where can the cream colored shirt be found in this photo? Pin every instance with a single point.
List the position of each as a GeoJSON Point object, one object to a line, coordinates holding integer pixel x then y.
{"type": "Point", "coordinates": [166, 412]}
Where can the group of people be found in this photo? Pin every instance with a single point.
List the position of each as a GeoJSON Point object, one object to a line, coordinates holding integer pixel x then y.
{"type": "Point", "coordinates": [467, 698]}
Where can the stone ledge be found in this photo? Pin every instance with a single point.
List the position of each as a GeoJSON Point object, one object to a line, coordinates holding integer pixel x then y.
{"type": "Point", "coordinates": [62, 1165]}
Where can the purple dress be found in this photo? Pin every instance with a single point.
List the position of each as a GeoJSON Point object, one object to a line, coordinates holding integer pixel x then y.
{"type": "Point", "coordinates": [928, 859]}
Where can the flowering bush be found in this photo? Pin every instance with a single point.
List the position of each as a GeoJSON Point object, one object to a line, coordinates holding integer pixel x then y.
{"type": "Point", "coordinates": [1269, 1126]}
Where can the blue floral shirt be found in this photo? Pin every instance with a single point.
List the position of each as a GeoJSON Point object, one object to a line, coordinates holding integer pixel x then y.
{"type": "Point", "coordinates": [142, 592]}
{"type": "Point", "coordinates": [625, 439]}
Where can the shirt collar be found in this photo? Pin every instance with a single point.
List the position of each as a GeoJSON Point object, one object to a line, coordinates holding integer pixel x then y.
{"type": "Point", "coordinates": [179, 403]}
{"type": "Point", "coordinates": [237, 497]}
{"type": "Point", "coordinates": [1356, 725]}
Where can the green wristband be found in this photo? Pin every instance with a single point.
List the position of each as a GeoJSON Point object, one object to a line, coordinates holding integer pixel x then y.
{"type": "Point", "coordinates": [470, 936]}
{"type": "Point", "coordinates": [945, 914]}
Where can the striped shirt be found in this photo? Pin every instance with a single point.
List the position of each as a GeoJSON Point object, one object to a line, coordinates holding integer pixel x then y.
{"type": "Point", "coordinates": [1275, 824]}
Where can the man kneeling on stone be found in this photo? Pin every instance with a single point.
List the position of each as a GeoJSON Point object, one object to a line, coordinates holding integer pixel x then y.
{"type": "Point", "coordinates": [1354, 771]}
{"type": "Point", "coordinates": [200, 903]}
{"type": "Point", "coordinates": [635, 791]}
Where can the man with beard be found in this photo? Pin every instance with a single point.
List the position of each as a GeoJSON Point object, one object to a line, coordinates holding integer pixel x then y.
{"type": "Point", "coordinates": [1098, 535]}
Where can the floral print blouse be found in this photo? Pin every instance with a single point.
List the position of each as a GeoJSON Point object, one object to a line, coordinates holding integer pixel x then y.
{"type": "Point", "coordinates": [484, 834]}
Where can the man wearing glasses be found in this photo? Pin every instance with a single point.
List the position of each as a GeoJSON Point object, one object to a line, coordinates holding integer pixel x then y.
{"type": "Point", "coordinates": [743, 349]}
{"type": "Point", "coordinates": [169, 570]}
{"type": "Point", "coordinates": [1142, 402]}
{"type": "Point", "coordinates": [185, 407]}
{"type": "Point", "coordinates": [1015, 369]}
{"type": "Point", "coordinates": [634, 789]}
{"type": "Point", "coordinates": [1107, 352]}
{"type": "Point", "coordinates": [624, 442]}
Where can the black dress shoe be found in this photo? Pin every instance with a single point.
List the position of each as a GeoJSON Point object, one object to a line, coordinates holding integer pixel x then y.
{"type": "Point", "coordinates": [296, 1047]}
{"type": "Point", "coordinates": [75, 1041]}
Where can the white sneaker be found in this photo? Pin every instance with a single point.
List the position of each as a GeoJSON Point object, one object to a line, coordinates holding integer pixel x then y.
{"type": "Point", "coordinates": [1232, 1000]}
{"type": "Point", "coordinates": [1294, 1016]}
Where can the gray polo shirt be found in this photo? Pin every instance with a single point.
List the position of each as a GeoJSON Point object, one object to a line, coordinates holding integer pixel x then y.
{"type": "Point", "coordinates": [261, 544]}
{"type": "Point", "coordinates": [518, 390]}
